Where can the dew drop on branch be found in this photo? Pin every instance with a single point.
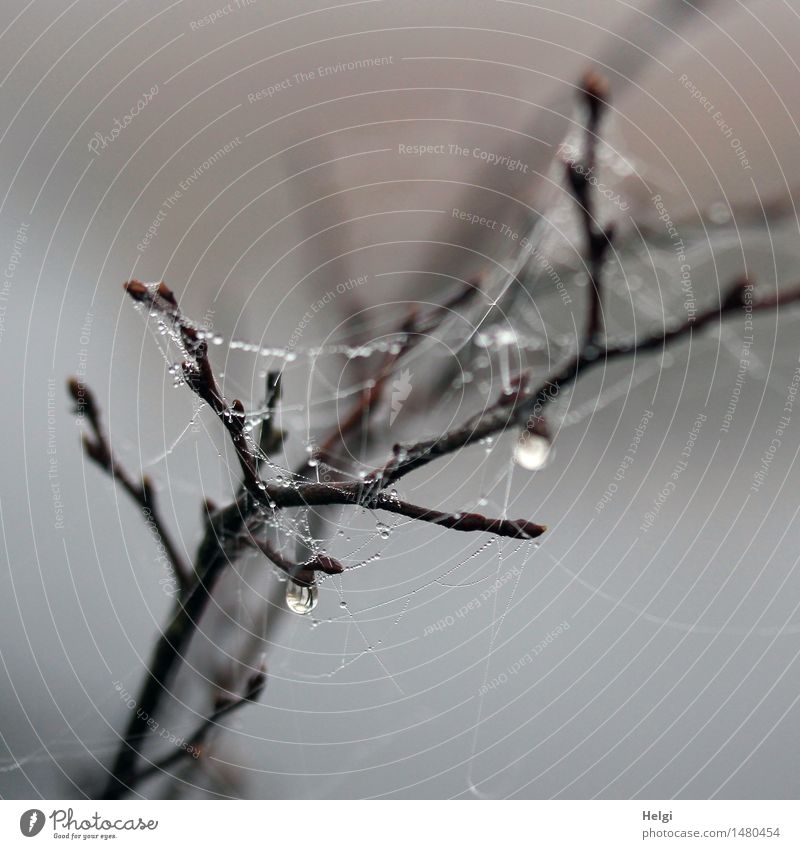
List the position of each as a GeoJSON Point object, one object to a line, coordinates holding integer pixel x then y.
{"type": "Point", "coordinates": [300, 598]}
{"type": "Point", "coordinates": [532, 451]}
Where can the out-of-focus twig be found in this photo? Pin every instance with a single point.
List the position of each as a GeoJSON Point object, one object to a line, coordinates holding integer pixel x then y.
{"type": "Point", "coordinates": [225, 704]}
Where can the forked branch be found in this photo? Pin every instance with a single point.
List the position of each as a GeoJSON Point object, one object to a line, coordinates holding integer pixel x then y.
{"type": "Point", "coordinates": [244, 523]}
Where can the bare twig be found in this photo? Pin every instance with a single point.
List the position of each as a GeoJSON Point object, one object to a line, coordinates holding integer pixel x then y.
{"type": "Point", "coordinates": [237, 526]}
{"type": "Point", "coordinates": [579, 177]}
{"type": "Point", "coordinates": [301, 573]}
{"type": "Point", "coordinates": [220, 547]}
{"type": "Point", "coordinates": [409, 334]}
{"type": "Point", "coordinates": [225, 704]}
{"type": "Point", "coordinates": [230, 529]}
{"type": "Point", "coordinates": [98, 448]}
{"type": "Point", "coordinates": [200, 378]}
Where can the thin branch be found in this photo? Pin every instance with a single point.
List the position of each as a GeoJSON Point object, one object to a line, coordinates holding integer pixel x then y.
{"type": "Point", "coordinates": [580, 176]}
{"type": "Point", "coordinates": [226, 704]}
{"type": "Point", "coordinates": [739, 296]}
{"type": "Point", "coordinates": [224, 538]}
{"type": "Point", "coordinates": [301, 573]}
{"type": "Point", "coordinates": [236, 526]}
{"type": "Point", "coordinates": [514, 528]}
{"type": "Point", "coordinates": [410, 332]}
{"type": "Point", "coordinates": [271, 437]}
{"type": "Point", "coordinates": [220, 547]}
{"type": "Point", "coordinates": [98, 448]}
{"type": "Point", "coordinates": [200, 378]}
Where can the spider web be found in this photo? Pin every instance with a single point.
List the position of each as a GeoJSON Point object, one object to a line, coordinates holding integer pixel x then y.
{"type": "Point", "coordinates": [522, 322]}
{"type": "Point", "coordinates": [525, 321]}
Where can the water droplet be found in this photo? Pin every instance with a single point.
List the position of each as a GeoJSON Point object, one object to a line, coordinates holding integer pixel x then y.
{"type": "Point", "coordinates": [217, 340]}
{"type": "Point", "coordinates": [383, 530]}
{"type": "Point", "coordinates": [532, 451]}
{"type": "Point", "coordinates": [300, 598]}
{"type": "Point", "coordinates": [719, 212]}
{"type": "Point", "coordinates": [343, 604]}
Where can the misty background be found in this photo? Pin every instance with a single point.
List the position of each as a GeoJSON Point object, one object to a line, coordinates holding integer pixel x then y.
{"type": "Point", "coordinates": [609, 661]}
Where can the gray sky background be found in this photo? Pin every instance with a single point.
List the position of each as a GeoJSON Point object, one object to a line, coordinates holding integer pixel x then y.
{"type": "Point", "coordinates": [677, 672]}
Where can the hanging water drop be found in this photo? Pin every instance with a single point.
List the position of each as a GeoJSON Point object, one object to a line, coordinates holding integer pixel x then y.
{"type": "Point", "coordinates": [300, 598]}
{"type": "Point", "coordinates": [532, 451]}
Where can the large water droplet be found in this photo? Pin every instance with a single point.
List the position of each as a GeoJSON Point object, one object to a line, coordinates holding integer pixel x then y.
{"type": "Point", "coordinates": [300, 598]}
{"type": "Point", "coordinates": [532, 451]}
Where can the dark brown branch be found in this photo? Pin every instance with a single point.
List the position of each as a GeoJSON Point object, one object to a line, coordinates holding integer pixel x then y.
{"type": "Point", "coordinates": [515, 528]}
{"type": "Point", "coordinates": [301, 573]}
{"type": "Point", "coordinates": [225, 704]}
{"type": "Point", "coordinates": [98, 448]}
{"type": "Point", "coordinates": [271, 437]}
{"type": "Point", "coordinates": [229, 529]}
{"type": "Point", "coordinates": [579, 177]}
{"type": "Point", "coordinates": [200, 378]}
{"type": "Point", "coordinates": [224, 536]}
{"type": "Point", "coordinates": [739, 296]}
{"type": "Point", "coordinates": [198, 372]}
{"type": "Point", "coordinates": [221, 545]}
{"type": "Point", "coordinates": [409, 332]}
